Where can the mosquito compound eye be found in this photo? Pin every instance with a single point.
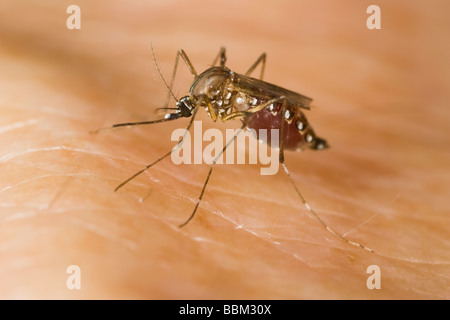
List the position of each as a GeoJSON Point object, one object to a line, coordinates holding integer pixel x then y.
{"type": "Point", "coordinates": [185, 106]}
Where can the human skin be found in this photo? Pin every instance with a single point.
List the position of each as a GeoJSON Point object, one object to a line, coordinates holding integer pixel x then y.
{"type": "Point", "coordinates": [379, 99]}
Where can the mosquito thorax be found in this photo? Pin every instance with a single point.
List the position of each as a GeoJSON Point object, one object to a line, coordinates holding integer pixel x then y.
{"type": "Point", "coordinates": [211, 82]}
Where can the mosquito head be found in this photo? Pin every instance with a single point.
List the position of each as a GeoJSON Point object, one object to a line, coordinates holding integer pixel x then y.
{"type": "Point", "coordinates": [185, 106]}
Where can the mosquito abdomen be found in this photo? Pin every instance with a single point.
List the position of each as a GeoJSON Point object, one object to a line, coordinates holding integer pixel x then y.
{"type": "Point", "coordinates": [298, 133]}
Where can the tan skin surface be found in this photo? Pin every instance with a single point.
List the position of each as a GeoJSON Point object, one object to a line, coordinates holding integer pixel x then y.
{"type": "Point", "coordinates": [379, 99]}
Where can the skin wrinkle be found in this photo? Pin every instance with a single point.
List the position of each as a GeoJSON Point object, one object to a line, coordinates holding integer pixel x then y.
{"type": "Point", "coordinates": [42, 177]}
{"type": "Point", "coordinates": [10, 156]}
{"type": "Point", "coordinates": [215, 189]}
{"type": "Point", "coordinates": [17, 125]}
{"type": "Point", "coordinates": [248, 228]}
{"type": "Point", "coordinates": [269, 240]}
{"type": "Point", "coordinates": [103, 233]}
{"type": "Point", "coordinates": [294, 203]}
{"type": "Point", "coordinates": [261, 235]}
{"type": "Point", "coordinates": [95, 228]}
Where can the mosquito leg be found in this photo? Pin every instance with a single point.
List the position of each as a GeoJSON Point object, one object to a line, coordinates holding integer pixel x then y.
{"type": "Point", "coordinates": [314, 214]}
{"type": "Point", "coordinates": [262, 60]}
{"type": "Point", "coordinates": [318, 217]}
{"type": "Point", "coordinates": [222, 56]}
{"type": "Point", "coordinates": [188, 63]}
{"type": "Point", "coordinates": [235, 115]}
{"type": "Point", "coordinates": [209, 175]}
{"type": "Point", "coordinates": [210, 108]}
{"type": "Point", "coordinates": [172, 80]}
{"type": "Point", "coordinates": [177, 146]}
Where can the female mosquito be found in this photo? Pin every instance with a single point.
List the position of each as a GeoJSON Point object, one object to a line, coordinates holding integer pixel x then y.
{"type": "Point", "coordinates": [227, 95]}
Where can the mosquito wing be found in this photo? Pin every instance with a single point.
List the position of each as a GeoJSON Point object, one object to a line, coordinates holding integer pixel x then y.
{"type": "Point", "coordinates": [266, 91]}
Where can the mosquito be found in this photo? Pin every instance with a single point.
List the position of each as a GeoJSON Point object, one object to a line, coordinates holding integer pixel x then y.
{"type": "Point", "coordinates": [227, 95]}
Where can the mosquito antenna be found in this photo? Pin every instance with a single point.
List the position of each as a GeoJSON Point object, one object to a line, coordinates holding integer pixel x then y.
{"type": "Point", "coordinates": [169, 117]}
{"type": "Point", "coordinates": [160, 74]}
